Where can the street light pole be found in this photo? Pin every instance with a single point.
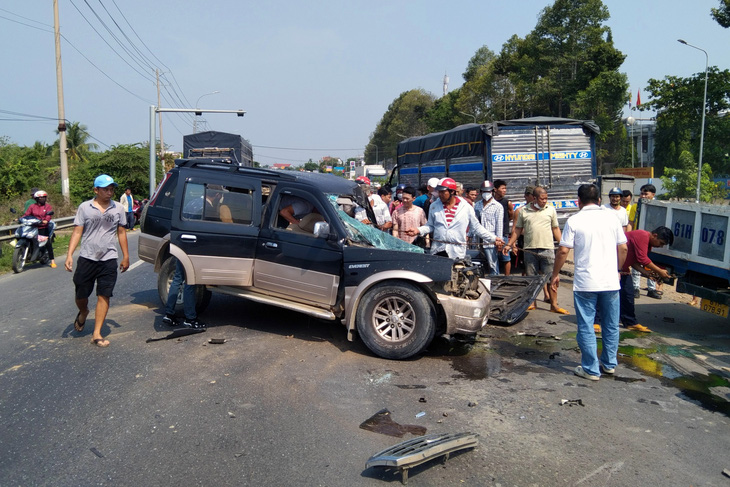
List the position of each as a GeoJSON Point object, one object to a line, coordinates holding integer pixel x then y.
{"type": "Point", "coordinates": [195, 120]}
{"type": "Point", "coordinates": [704, 110]}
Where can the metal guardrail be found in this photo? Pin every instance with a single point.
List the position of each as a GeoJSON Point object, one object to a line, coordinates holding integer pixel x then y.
{"type": "Point", "coordinates": [8, 231]}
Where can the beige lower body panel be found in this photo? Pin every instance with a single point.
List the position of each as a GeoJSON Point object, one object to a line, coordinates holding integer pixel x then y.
{"type": "Point", "coordinates": [148, 247]}
{"type": "Point", "coordinates": [301, 284]}
{"type": "Point", "coordinates": [222, 271]}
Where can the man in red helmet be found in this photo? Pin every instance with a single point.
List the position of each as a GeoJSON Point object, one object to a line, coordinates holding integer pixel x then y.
{"type": "Point", "coordinates": [449, 218]}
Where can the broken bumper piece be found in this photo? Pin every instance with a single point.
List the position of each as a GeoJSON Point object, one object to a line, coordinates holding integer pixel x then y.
{"type": "Point", "coordinates": [416, 451]}
{"type": "Point", "coordinates": [466, 315]}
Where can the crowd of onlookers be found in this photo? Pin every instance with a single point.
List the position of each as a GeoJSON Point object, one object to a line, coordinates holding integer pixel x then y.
{"type": "Point", "coordinates": [609, 254]}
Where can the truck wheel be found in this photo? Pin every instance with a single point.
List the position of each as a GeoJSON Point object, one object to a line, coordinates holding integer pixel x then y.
{"type": "Point", "coordinates": [396, 320]}
{"type": "Point", "coordinates": [20, 255]}
{"type": "Point", "coordinates": [164, 279]}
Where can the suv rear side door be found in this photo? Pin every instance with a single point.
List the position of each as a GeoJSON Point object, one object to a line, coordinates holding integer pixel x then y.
{"type": "Point", "coordinates": [296, 264]}
{"type": "Point", "coordinates": [216, 224]}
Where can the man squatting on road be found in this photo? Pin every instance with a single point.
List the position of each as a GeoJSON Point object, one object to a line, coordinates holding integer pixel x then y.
{"type": "Point", "coordinates": [100, 221]}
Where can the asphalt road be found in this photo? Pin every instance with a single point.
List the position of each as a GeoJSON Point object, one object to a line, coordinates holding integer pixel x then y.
{"type": "Point", "coordinates": [280, 403]}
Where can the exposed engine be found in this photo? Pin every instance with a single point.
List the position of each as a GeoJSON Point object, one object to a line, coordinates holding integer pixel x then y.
{"type": "Point", "coordinates": [464, 279]}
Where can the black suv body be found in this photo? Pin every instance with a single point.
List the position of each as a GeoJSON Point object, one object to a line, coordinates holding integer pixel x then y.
{"type": "Point", "coordinates": [223, 223]}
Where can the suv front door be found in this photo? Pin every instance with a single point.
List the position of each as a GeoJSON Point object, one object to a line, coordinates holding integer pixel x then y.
{"type": "Point", "coordinates": [292, 262]}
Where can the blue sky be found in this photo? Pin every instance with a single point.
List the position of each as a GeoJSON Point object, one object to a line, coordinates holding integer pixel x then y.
{"type": "Point", "coordinates": [314, 77]}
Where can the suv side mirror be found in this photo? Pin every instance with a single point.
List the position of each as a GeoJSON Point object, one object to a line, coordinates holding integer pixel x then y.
{"type": "Point", "coordinates": [321, 229]}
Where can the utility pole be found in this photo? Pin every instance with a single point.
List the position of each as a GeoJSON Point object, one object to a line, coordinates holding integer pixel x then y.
{"type": "Point", "coordinates": [162, 145]}
{"type": "Point", "coordinates": [61, 115]}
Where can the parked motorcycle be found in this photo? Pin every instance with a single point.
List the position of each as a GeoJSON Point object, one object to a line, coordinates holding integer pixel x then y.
{"type": "Point", "coordinates": [29, 246]}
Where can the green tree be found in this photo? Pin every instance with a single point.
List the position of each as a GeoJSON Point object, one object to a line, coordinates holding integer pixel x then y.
{"type": "Point", "coordinates": [128, 164]}
{"type": "Point", "coordinates": [19, 170]}
{"type": "Point", "coordinates": [679, 102]}
{"type": "Point", "coordinates": [482, 57]}
{"type": "Point", "coordinates": [311, 166]}
{"type": "Point", "coordinates": [722, 13]}
{"type": "Point", "coordinates": [444, 115]}
{"type": "Point", "coordinates": [405, 117]}
{"type": "Point", "coordinates": [681, 182]}
{"type": "Point", "coordinates": [567, 66]}
{"type": "Point", "coordinates": [77, 142]}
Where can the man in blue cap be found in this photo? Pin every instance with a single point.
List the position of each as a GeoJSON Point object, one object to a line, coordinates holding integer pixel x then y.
{"type": "Point", "coordinates": [101, 222]}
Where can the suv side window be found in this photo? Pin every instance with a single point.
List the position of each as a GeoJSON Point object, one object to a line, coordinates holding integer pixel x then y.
{"type": "Point", "coordinates": [165, 196]}
{"type": "Point", "coordinates": [217, 203]}
{"type": "Point", "coordinates": [299, 206]}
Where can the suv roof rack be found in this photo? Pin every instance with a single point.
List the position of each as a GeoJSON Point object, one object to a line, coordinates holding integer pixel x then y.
{"type": "Point", "coordinates": [224, 165]}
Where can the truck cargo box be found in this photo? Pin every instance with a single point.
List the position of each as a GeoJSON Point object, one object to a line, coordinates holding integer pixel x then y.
{"type": "Point", "coordinates": [218, 145]}
{"type": "Point", "coordinates": [556, 153]}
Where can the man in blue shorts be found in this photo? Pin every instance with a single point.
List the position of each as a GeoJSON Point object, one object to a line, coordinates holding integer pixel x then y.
{"type": "Point", "coordinates": [100, 222]}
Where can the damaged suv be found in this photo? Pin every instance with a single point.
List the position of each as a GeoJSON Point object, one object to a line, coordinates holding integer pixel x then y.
{"type": "Point", "coordinates": [223, 223]}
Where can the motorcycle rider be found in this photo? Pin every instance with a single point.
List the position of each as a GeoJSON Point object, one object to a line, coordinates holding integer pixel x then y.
{"type": "Point", "coordinates": [40, 210]}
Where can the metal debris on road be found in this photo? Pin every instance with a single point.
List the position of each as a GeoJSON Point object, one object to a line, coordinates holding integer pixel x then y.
{"type": "Point", "coordinates": [96, 452]}
{"type": "Point", "coordinates": [572, 402]}
{"type": "Point", "coordinates": [177, 334]}
{"type": "Point", "coordinates": [538, 334]}
{"type": "Point", "coordinates": [416, 451]}
{"type": "Point", "coordinates": [381, 422]}
{"type": "Point", "coordinates": [217, 341]}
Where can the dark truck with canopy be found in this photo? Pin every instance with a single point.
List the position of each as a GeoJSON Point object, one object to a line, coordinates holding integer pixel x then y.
{"type": "Point", "coordinates": [558, 154]}
{"type": "Point", "coordinates": [218, 146]}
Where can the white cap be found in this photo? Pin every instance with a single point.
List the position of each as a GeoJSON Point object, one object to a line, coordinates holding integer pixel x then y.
{"type": "Point", "coordinates": [433, 182]}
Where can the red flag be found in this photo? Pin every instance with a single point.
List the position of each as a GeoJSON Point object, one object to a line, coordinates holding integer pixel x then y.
{"type": "Point", "coordinates": [638, 98]}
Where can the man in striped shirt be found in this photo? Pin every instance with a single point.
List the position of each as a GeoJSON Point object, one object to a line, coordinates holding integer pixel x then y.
{"type": "Point", "coordinates": [449, 219]}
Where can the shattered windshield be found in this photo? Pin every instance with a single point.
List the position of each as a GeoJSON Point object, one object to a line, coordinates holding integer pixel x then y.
{"type": "Point", "coordinates": [366, 234]}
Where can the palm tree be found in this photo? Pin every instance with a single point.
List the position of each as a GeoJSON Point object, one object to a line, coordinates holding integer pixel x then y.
{"type": "Point", "coordinates": [77, 144]}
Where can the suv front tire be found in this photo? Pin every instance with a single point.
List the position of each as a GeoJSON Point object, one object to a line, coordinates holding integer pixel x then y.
{"type": "Point", "coordinates": [396, 320]}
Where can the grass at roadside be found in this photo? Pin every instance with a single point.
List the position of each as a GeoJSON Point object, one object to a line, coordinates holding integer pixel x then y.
{"type": "Point", "coordinates": [60, 247]}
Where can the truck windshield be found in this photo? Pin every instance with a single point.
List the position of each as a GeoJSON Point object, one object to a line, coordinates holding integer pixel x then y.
{"type": "Point", "coordinates": [366, 234]}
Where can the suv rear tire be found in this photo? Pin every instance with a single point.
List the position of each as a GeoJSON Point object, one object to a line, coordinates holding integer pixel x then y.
{"type": "Point", "coordinates": [396, 320]}
{"type": "Point", "coordinates": [164, 279]}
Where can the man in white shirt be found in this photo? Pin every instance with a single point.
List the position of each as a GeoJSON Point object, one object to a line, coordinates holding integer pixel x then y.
{"type": "Point", "coordinates": [599, 249]}
{"type": "Point", "coordinates": [614, 197]}
{"type": "Point", "coordinates": [379, 202]}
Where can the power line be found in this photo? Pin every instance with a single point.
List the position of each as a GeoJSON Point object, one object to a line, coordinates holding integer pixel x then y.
{"type": "Point", "coordinates": [107, 43]}
{"type": "Point", "coordinates": [305, 148]}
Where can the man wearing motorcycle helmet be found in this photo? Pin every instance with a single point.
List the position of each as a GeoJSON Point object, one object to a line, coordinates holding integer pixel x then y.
{"type": "Point", "coordinates": [449, 218]}
{"type": "Point", "coordinates": [397, 198]}
{"type": "Point", "coordinates": [40, 209]}
{"type": "Point", "coordinates": [614, 197]}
